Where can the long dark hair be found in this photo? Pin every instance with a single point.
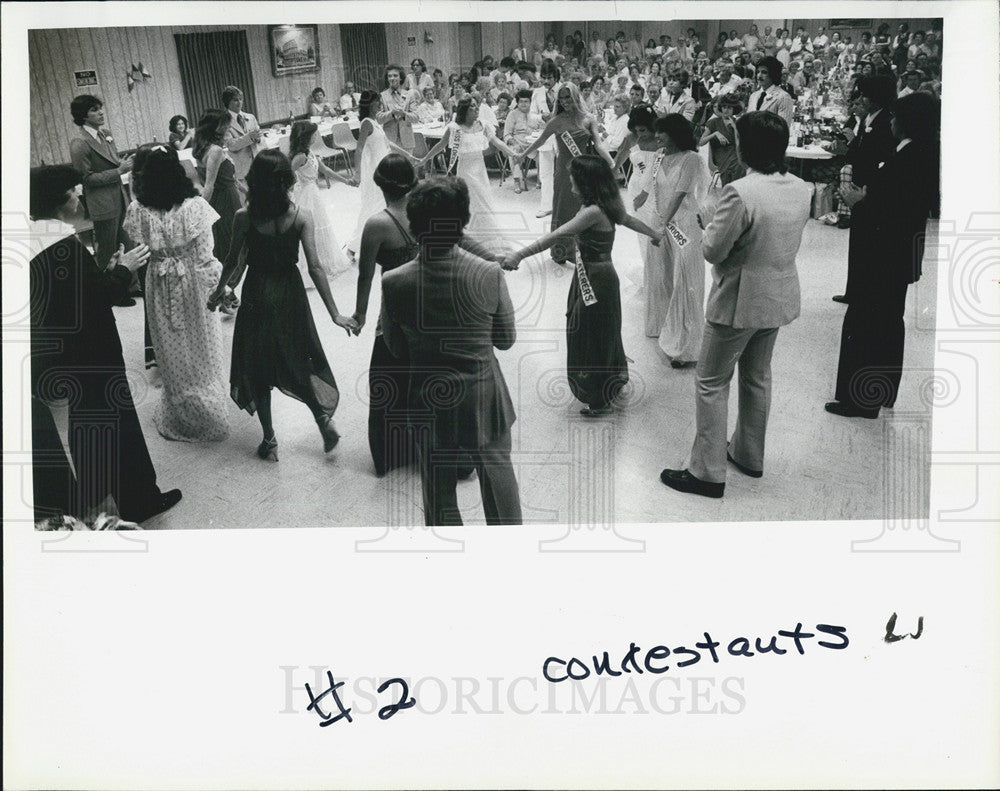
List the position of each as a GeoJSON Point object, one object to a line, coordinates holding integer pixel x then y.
{"type": "Point", "coordinates": [597, 186]}
{"type": "Point", "coordinates": [269, 179]}
{"type": "Point", "coordinates": [462, 108]}
{"type": "Point", "coordinates": [158, 179]}
{"type": "Point", "coordinates": [368, 98]}
{"type": "Point", "coordinates": [298, 140]}
{"type": "Point", "coordinates": [211, 128]}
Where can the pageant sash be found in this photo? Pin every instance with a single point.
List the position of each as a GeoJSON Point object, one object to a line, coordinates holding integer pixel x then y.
{"type": "Point", "coordinates": [676, 235]}
{"type": "Point", "coordinates": [571, 146]}
{"type": "Point", "coordinates": [586, 290]}
{"type": "Point", "coordinates": [453, 144]}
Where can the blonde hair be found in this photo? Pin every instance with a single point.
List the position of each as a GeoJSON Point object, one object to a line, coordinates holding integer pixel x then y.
{"type": "Point", "coordinates": [575, 98]}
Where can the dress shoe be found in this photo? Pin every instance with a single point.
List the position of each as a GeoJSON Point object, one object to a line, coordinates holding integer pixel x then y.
{"type": "Point", "coordinates": [596, 411]}
{"type": "Point", "coordinates": [268, 449]}
{"type": "Point", "coordinates": [842, 299]}
{"type": "Point", "coordinates": [328, 432]}
{"type": "Point", "coordinates": [847, 410]}
{"type": "Point", "coordinates": [543, 214]}
{"type": "Point", "coordinates": [684, 481]}
{"type": "Point", "coordinates": [164, 501]}
{"type": "Point", "coordinates": [744, 470]}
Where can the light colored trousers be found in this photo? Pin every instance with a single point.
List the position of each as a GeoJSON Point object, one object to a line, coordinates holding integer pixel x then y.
{"type": "Point", "coordinates": [722, 348]}
{"type": "Point", "coordinates": [546, 172]}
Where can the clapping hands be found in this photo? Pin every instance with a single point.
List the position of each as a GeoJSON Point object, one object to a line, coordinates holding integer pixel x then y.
{"type": "Point", "coordinates": [851, 194]}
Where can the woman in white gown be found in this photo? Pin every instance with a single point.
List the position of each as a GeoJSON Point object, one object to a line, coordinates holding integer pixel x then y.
{"type": "Point", "coordinates": [373, 145]}
{"type": "Point", "coordinates": [639, 147]}
{"type": "Point", "coordinates": [468, 139]}
{"type": "Point", "coordinates": [305, 195]}
{"type": "Point", "coordinates": [677, 185]}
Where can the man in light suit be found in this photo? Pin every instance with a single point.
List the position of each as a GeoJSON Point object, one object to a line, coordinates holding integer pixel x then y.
{"type": "Point", "coordinates": [242, 136]}
{"type": "Point", "coordinates": [677, 99]}
{"type": "Point", "coordinates": [95, 158]}
{"type": "Point", "coordinates": [399, 109]}
{"type": "Point", "coordinates": [751, 243]}
{"type": "Point", "coordinates": [769, 96]}
{"type": "Point", "coordinates": [543, 105]}
{"type": "Point", "coordinates": [446, 311]}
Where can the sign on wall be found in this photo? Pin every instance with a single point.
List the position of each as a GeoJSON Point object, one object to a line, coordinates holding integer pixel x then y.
{"type": "Point", "coordinates": [85, 80]}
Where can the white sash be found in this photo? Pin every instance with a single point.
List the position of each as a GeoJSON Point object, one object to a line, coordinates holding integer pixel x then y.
{"type": "Point", "coordinates": [586, 290]}
{"type": "Point", "coordinates": [453, 144]}
{"type": "Point", "coordinates": [676, 234]}
{"type": "Point", "coordinates": [571, 145]}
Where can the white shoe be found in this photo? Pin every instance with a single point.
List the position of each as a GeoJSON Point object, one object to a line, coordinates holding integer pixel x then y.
{"type": "Point", "coordinates": [543, 214]}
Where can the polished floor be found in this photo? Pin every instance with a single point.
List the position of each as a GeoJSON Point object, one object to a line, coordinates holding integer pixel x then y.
{"type": "Point", "coordinates": [571, 469]}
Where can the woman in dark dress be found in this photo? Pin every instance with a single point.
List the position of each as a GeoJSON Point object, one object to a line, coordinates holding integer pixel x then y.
{"type": "Point", "coordinates": [595, 358]}
{"type": "Point", "coordinates": [386, 240]}
{"type": "Point", "coordinates": [275, 343]}
{"type": "Point", "coordinates": [218, 176]}
{"type": "Point", "coordinates": [576, 134]}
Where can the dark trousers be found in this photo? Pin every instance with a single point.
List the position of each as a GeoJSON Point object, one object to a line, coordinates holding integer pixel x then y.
{"type": "Point", "coordinates": [106, 441]}
{"type": "Point", "coordinates": [871, 346]}
{"type": "Point", "coordinates": [53, 483]}
{"type": "Point", "coordinates": [108, 235]}
{"type": "Point", "coordinates": [439, 479]}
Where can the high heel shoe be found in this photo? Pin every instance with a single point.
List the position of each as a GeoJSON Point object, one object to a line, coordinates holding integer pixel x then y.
{"type": "Point", "coordinates": [268, 449]}
{"type": "Point", "coordinates": [328, 432]}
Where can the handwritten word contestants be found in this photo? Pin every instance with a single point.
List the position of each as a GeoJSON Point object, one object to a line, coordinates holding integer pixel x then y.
{"type": "Point", "coordinates": [655, 659]}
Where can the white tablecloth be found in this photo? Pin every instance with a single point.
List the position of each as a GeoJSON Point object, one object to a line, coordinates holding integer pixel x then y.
{"type": "Point", "coordinates": [810, 152]}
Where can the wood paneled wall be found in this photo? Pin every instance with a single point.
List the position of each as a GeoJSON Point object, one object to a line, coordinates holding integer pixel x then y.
{"type": "Point", "coordinates": [137, 117]}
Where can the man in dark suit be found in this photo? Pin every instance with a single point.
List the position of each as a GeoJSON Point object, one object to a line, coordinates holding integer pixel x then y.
{"type": "Point", "coordinates": [77, 354]}
{"type": "Point", "coordinates": [446, 311]}
{"type": "Point", "coordinates": [887, 236]}
{"type": "Point", "coordinates": [95, 158]}
{"type": "Point", "coordinates": [872, 144]}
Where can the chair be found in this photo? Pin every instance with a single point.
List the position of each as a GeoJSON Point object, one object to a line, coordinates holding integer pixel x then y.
{"type": "Point", "coordinates": [342, 140]}
{"type": "Point", "coordinates": [320, 149]}
{"type": "Point", "coordinates": [502, 164]}
{"type": "Point", "coordinates": [420, 148]}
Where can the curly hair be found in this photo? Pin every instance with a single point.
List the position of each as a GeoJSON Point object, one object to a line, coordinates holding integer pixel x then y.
{"type": "Point", "coordinates": [158, 178]}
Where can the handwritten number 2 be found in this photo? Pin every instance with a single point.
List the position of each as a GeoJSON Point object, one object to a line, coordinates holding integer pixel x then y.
{"type": "Point", "coordinates": [387, 711]}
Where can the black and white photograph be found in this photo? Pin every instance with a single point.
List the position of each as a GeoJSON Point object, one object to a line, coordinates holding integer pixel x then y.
{"type": "Point", "coordinates": [626, 359]}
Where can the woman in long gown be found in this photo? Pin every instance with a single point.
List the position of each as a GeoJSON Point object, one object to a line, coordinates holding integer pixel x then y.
{"type": "Point", "coordinates": [576, 134]}
{"type": "Point", "coordinates": [305, 195]}
{"type": "Point", "coordinates": [176, 224]}
{"type": "Point", "coordinates": [217, 172]}
{"type": "Point", "coordinates": [275, 343]}
{"type": "Point", "coordinates": [372, 146]}
{"type": "Point", "coordinates": [595, 357]}
{"type": "Point", "coordinates": [639, 147]}
{"type": "Point", "coordinates": [468, 139]}
{"type": "Point", "coordinates": [678, 183]}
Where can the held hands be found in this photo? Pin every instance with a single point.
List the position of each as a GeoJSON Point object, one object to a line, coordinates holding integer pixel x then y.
{"type": "Point", "coordinates": [347, 323]}
{"type": "Point", "coordinates": [510, 261]}
{"type": "Point", "coordinates": [359, 319]}
{"type": "Point", "coordinates": [131, 260]}
{"type": "Point", "coordinates": [640, 200]}
{"type": "Point", "coordinates": [215, 298]}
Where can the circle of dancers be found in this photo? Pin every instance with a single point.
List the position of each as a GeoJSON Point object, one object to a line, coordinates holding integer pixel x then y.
{"type": "Point", "coordinates": [438, 397]}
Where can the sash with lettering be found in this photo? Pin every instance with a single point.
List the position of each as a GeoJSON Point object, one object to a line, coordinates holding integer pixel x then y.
{"type": "Point", "coordinates": [453, 144]}
{"type": "Point", "coordinates": [676, 234]}
{"type": "Point", "coordinates": [586, 289]}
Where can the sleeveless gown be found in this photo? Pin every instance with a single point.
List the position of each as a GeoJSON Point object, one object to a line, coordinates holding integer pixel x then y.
{"type": "Point", "coordinates": [595, 357]}
{"type": "Point", "coordinates": [372, 199]}
{"type": "Point", "coordinates": [306, 195]}
{"type": "Point", "coordinates": [389, 439]}
{"type": "Point", "coordinates": [275, 343]}
{"type": "Point", "coordinates": [565, 204]}
{"type": "Point", "coordinates": [226, 201]}
{"type": "Point", "coordinates": [641, 162]}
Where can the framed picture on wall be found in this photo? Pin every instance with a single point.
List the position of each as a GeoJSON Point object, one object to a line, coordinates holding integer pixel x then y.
{"type": "Point", "coordinates": [294, 49]}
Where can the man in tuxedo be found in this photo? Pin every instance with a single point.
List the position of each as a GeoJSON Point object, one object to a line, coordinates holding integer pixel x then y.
{"type": "Point", "coordinates": [76, 354]}
{"type": "Point", "coordinates": [95, 157]}
{"type": "Point", "coordinates": [445, 312]}
{"type": "Point", "coordinates": [871, 145]}
{"type": "Point", "coordinates": [399, 110]}
{"type": "Point", "coordinates": [751, 243]}
{"type": "Point", "coordinates": [242, 137]}
{"type": "Point", "coordinates": [888, 224]}
{"type": "Point", "coordinates": [769, 97]}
